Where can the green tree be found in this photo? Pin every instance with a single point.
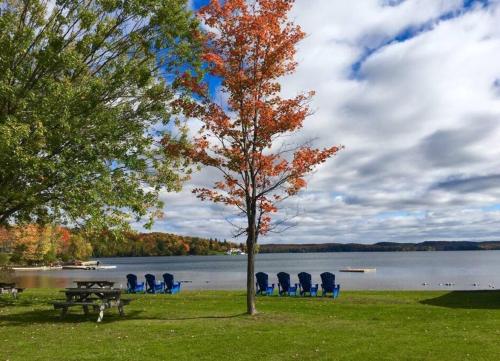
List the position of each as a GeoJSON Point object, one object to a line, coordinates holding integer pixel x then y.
{"type": "Point", "coordinates": [87, 90]}
{"type": "Point", "coordinates": [79, 248]}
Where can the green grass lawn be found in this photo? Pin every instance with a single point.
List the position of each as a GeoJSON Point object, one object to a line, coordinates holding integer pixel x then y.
{"type": "Point", "coordinates": [211, 326]}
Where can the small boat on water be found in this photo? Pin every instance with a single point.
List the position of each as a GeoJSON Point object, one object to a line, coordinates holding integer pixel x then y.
{"type": "Point", "coordinates": [235, 252]}
{"type": "Point", "coordinates": [358, 270]}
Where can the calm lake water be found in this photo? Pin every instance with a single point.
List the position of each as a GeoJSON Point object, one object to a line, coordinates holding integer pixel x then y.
{"type": "Point", "coordinates": [395, 270]}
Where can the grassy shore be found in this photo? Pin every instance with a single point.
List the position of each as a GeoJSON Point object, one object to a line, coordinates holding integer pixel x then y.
{"type": "Point", "coordinates": [210, 326]}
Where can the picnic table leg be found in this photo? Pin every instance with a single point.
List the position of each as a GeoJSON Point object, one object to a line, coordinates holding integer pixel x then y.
{"type": "Point", "coordinates": [86, 309]}
{"type": "Point", "coordinates": [64, 310]}
{"type": "Point", "coordinates": [120, 308]}
{"type": "Point", "coordinates": [101, 312]}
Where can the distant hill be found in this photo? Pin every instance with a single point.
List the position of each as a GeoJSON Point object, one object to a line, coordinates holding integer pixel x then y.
{"type": "Point", "coordinates": [379, 247]}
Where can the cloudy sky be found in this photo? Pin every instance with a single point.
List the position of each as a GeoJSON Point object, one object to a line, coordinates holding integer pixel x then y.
{"type": "Point", "coordinates": [412, 89]}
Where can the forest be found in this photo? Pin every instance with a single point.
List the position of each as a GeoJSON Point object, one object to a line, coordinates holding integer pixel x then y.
{"type": "Point", "coordinates": [37, 245]}
{"type": "Point", "coordinates": [381, 247]}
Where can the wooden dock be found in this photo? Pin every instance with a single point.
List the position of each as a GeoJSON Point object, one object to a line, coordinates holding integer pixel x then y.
{"type": "Point", "coordinates": [86, 265]}
{"type": "Point", "coordinates": [37, 268]}
{"type": "Point", "coordinates": [358, 270]}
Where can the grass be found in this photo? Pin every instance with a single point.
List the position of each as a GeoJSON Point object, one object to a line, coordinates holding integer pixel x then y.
{"type": "Point", "coordinates": [209, 325]}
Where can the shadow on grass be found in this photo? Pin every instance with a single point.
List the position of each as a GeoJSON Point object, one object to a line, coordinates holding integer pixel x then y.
{"type": "Point", "coordinates": [53, 317]}
{"type": "Point", "coordinates": [199, 317]}
{"type": "Point", "coordinates": [467, 299]}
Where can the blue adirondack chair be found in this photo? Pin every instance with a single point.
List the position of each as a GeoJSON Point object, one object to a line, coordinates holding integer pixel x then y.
{"type": "Point", "coordinates": [328, 284]}
{"type": "Point", "coordinates": [132, 285]}
{"type": "Point", "coordinates": [284, 285]}
{"type": "Point", "coordinates": [153, 286]}
{"type": "Point", "coordinates": [305, 284]}
{"type": "Point", "coordinates": [262, 284]}
{"type": "Point", "coordinates": [171, 286]}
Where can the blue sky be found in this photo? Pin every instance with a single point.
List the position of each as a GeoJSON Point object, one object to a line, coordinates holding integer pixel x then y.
{"type": "Point", "coordinates": [411, 89]}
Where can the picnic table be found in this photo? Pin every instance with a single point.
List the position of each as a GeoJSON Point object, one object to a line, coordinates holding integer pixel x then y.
{"type": "Point", "coordinates": [98, 298]}
{"type": "Point", "coordinates": [92, 283]}
{"type": "Point", "coordinates": [11, 288]}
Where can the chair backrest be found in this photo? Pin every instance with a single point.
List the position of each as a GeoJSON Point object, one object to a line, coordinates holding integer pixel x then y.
{"type": "Point", "coordinates": [131, 281]}
{"type": "Point", "coordinates": [305, 281]}
{"type": "Point", "coordinates": [150, 280]}
{"type": "Point", "coordinates": [284, 280]}
{"type": "Point", "coordinates": [262, 280]}
{"type": "Point", "coordinates": [169, 280]}
{"type": "Point", "coordinates": [328, 281]}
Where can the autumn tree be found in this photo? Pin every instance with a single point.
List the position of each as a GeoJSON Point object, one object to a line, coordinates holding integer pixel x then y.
{"type": "Point", "coordinates": [86, 90]}
{"type": "Point", "coordinates": [250, 45]}
{"type": "Point", "coordinates": [38, 244]}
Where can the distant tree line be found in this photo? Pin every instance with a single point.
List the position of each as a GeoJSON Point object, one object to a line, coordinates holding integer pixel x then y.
{"type": "Point", "coordinates": [381, 247]}
{"type": "Point", "coordinates": [37, 245]}
{"type": "Point", "coordinates": [133, 244]}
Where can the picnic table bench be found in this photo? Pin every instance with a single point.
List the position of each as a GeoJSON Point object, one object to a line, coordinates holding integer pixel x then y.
{"type": "Point", "coordinates": [98, 298]}
{"type": "Point", "coordinates": [10, 288]}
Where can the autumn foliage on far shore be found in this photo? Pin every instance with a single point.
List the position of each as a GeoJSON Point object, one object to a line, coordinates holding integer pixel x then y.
{"type": "Point", "coordinates": [35, 244]}
{"type": "Point", "coordinates": [40, 245]}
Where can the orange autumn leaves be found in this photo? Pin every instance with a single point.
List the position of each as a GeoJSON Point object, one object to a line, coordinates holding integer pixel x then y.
{"type": "Point", "coordinates": [250, 46]}
{"type": "Point", "coordinates": [33, 243]}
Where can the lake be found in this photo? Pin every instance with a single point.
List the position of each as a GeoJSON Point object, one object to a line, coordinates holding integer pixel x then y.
{"type": "Point", "coordinates": [395, 270]}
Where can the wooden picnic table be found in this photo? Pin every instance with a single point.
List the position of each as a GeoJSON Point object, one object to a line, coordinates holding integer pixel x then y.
{"type": "Point", "coordinates": [92, 283]}
{"type": "Point", "coordinates": [98, 298]}
{"type": "Point", "coordinates": [11, 288]}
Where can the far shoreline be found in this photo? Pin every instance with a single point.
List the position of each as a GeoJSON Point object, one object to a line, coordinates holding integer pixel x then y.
{"type": "Point", "coordinates": [297, 252]}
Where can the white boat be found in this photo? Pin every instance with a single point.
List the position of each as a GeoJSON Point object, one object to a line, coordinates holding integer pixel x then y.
{"type": "Point", "coordinates": [235, 252]}
{"type": "Point", "coordinates": [89, 263]}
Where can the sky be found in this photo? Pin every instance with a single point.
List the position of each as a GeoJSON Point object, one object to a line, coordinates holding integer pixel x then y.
{"type": "Point", "coordinates": [411, 88]}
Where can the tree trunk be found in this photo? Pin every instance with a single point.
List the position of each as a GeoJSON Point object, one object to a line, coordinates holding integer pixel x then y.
{"type": "Point", "coordinates": [251, 240]}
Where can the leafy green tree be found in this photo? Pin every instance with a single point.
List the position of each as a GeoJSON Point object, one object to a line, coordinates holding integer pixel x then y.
{"type": "Point", "coordinates": [79, 248]}
{"type": "Point", "coordinates": [87, 90]}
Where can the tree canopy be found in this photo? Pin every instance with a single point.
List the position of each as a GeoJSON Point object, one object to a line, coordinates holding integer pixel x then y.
{"type": "Point", "coordinates": [87, 87]}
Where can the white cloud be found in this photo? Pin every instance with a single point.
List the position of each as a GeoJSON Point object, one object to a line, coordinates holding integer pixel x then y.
{"type": "Point", "coordinates": [420, 121]}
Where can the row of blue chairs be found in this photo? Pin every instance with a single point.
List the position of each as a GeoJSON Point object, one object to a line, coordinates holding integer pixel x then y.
{"type": "Point", "coordinates": [152, 285]}
{"type": "Point", "coordinates": [304, 286]}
